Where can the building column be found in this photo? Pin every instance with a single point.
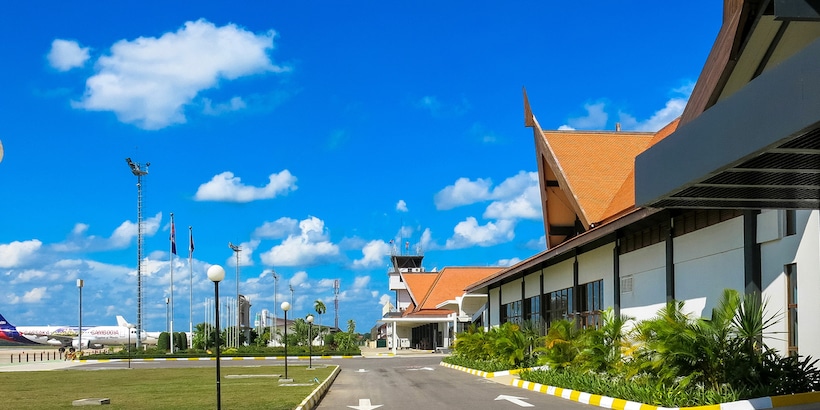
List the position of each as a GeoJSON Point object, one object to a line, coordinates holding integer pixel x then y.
{"type": "Point", "coordinates": [616, 285]}
{"type": "Point", "coordinates": [395, 337]}
{"type": "Point", "coordinates": [576, 290]}
{"type": "Point", "coordinates": [751, 253]}
{"type": "Point", "coordinates": [670, 261]}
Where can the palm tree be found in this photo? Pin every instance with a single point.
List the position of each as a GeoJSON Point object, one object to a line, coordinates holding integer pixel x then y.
{"type": "Point", "coordinates": [320, 308]}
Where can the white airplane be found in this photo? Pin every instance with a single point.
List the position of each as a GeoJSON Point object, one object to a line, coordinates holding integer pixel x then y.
{"type": "Point", "coordinates": [68, 336]}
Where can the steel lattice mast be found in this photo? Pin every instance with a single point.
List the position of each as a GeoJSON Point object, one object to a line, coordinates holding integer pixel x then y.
{"type": "Point", "coordinates": [139, 173]}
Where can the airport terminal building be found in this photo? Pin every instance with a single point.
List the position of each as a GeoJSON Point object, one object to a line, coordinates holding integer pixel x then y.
{"type": "Point", "coordinates": [726, 196]}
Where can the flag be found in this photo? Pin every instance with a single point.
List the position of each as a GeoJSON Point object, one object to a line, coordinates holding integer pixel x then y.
{"type": "Point", "coordinates": [190, 242]}
{"type": "Point", "coordinates": [173, 238]}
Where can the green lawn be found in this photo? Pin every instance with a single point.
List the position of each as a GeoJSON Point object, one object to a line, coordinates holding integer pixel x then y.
{"type": "Point", "coordinates": [192, 388]}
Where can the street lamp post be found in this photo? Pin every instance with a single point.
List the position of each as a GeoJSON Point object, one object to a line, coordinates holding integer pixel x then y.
{"type": "Point", "coordinates": [310, 341]}
{"type": "Point", "coordinates": [216, 273]}
{"type": "Point", "coordinates": [130, 329]}
{"type": "Point", "coordinates": [285, 308]}
{"type": "Point", "coordinates": [80, 332]}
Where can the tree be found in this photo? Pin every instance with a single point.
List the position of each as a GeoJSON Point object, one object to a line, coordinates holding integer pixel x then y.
{"type": "Point", "coordinates": [320, 308]}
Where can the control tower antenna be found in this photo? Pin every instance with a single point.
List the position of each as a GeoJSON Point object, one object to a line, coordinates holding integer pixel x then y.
{"type": "Point", "coordinates": [139, 173]}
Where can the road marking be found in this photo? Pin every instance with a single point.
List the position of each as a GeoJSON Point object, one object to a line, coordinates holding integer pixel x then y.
{"type": "Point", "coordinates": [515, 400]}
{"type": "Point", "coordinates": [422, 368]}
{"type": "Point", "coordinates": [361, 371]}
{"type": "Point", "coordinates": [364, 404]}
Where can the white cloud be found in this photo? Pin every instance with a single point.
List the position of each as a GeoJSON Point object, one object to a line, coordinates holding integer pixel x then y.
{"type": "Point", "coordinates": [374, 253]}
{"type": "Point", "coordinates": [469, 233]}
{"type": "Point", "coordinates": [298, 279]}
{"type": "Point", "coordinates": [360, 282]}
{"type": "Point", "coordinates": [33, 296]}
{"type": "Point", "coordinates": [234, 104]}
{"type": "Point", "coordinates": [309, 247]}
{"type": "Point", "coordinates": [277, 229]}
{"type": "Point", "coordinates": [65, 55]}
{"type": "Point", "coordinates": [516, 197]}
{"type": "Point", "coordinates": [119, 239]}
{"type": "Point", "coordinates": [463, 192]}
{"type": "Point", "coordinates": [539, 244]}
{"type": "Point", "coordinates": [672, 109]}
{"type": "Point", "coordinates": [385, 299]}
{"type": "Point", "coordinates": [245, 254]}
{"type": "Point", "coordinates": [18, 253]}
{"type": "Point", "coordinates": [508, 262]}
{"type": "Point", "coordinates": [29, 275]}
{"type": "Point", "coordinates": [524, 205]}
{"type": "Point", "coordinates": [401, 206]}
{"type": "Point", "coordinates": [594, 120]}
{"type": "Point", "coordinates": [149, 81]}
{"type": "Point", "coordinates": [226, 187]}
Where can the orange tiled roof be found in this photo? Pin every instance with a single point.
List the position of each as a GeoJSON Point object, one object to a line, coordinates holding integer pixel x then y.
{"type": "Point", "coordinates": [598, 167]}
{"type": "Point", "coordinates": [418, 284]}
{"type": "Point", "coordinates": [452, 281]}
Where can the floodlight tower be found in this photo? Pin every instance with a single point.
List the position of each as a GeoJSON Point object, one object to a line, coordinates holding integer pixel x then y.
{"type": "Point", "coordinates": [275, 283]}
{"type": "Point", "coordinates": [236, 249]}
{"type": "Point", "coordinates": [139, 173]}
{"type": "Point", "coordinates": [336, 301]}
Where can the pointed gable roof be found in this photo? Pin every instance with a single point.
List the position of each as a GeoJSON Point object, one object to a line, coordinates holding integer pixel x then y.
{"type": "Point", "coordinates": [586, 177]}
{"type": "Point", "coordinates": [418, 284]}
{"type": "Point", "coordinates": [428, 290]}
{"type": "Point", "coordinates": [452, 281]}
{"type": "Point", "coordinates": [595, 166]}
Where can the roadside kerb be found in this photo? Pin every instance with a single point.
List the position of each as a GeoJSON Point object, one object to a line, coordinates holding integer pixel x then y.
{"type": "Point", "coordinates": [182, 359]}
{"type": "Point", "coordinates": [761, 403]}
{"type": "Point", "coordinates": [316, 395]}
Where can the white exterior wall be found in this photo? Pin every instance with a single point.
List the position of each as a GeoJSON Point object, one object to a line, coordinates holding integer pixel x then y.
{"type": "Point", "coordinates": [707, 261]}
{"type": "Point", "coordinates": [403, 299]}
{"type": "Point", "coordinates": [532, 285]}
{"type": "Point", "coordinates": [510, 292]}
{"type": "Point", "coordinates": [557, 277]}
{"type": "Point", "coordinates": [808, 282]}
{"type": "Point", "coordinates": [596, 265]}
{"type": "Point", "coordinates": [776, 251]}
{"type": "Point", "coordinates": [647, 268]}
{"type": "Point", "coordinates": [395, 282]}
{"type": "Point", "coordinates": [495, 309]}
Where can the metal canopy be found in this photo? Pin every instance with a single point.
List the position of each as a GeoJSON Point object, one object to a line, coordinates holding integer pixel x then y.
{"type": "Point", "coordinates": [758, 149]}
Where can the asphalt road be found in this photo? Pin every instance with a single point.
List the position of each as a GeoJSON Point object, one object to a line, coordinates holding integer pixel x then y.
{"type": "Point", "coordinates": [397, 383]}
{"type": "Point", "coordinates": [412, 383]}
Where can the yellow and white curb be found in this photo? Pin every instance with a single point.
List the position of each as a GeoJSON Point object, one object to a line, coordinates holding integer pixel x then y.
{"type": "Point", "coordinates": [316, 395]}
{"type": "Point", "coordinates": [479, 373]}
{"type": "Point", "coordinates": [620, 404]}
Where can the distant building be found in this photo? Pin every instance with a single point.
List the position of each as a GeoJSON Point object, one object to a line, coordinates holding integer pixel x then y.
{"type": "Point", "coordinates": [429, 307]}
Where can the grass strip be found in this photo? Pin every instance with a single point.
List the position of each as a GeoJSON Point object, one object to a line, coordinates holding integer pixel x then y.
{"type": "Point", "coordinates": [186, 388]}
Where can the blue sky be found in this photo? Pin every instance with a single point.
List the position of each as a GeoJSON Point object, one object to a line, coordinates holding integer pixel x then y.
{"type": "Point", "coordinates": [310, 133]}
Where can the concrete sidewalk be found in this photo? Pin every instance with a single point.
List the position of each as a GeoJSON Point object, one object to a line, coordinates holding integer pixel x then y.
{"type": "Point", "coordinates": [386, 352]}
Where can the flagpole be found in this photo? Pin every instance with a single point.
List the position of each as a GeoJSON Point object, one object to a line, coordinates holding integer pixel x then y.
{"type": "Point", "coordinates": [191, 283]}
{"type": "Point", "coordinates": [173, 251]}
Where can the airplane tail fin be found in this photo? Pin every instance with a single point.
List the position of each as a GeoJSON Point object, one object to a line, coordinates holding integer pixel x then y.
{"type": "Point", "coordinates": [121, 321]}
{"type": "Point", "coordinates": [4, 324]}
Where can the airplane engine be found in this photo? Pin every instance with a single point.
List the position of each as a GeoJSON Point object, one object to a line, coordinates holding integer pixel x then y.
{"type": "Point", "coordinates": [87, 344]}
{"type": "Point", "coordinates": [54, 342]}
